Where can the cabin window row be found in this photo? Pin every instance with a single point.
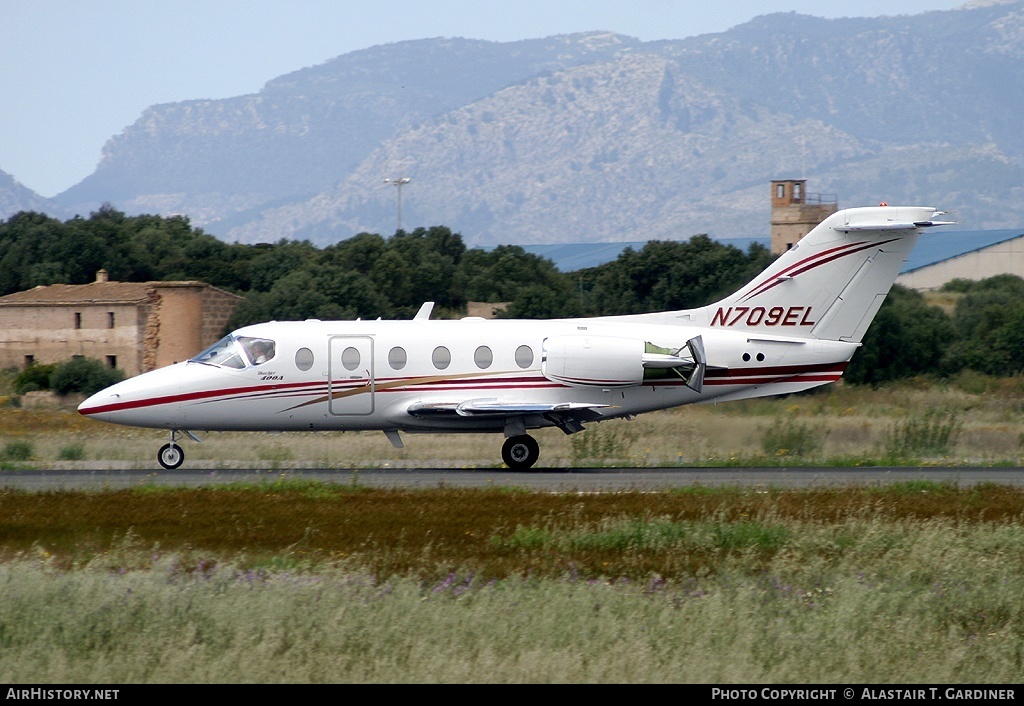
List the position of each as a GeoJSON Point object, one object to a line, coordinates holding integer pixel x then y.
{"type": "Point", "coordinates": [441, 357]}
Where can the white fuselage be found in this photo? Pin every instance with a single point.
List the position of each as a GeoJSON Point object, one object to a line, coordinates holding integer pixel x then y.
{"type": "Point", "coordinates": [357, 375]}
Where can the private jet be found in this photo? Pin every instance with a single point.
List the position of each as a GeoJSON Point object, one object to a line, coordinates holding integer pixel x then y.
{"type": "Point", "coordinates": [793, 327]}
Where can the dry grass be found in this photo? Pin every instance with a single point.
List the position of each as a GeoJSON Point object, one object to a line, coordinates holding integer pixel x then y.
{"type": "Point", "coordinates": [915, 583]}
{"type": "Point", "coordinates": [851, 426]}
{"type": "Point", "coordinates": [492, 533]}
{"type": "Point", "coordinates": [302, 582]}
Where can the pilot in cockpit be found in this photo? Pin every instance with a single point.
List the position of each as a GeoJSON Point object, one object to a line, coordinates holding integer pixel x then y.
{"type": "Point", "coordinates": [259, 350]}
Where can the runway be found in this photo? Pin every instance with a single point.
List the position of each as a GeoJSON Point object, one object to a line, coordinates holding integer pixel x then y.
{"type": "Point", "coordinates": [542, 479]}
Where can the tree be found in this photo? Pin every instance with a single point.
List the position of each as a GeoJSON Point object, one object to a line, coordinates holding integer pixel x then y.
{"type": "Point", "coordinates": [85, 375]}
{"type": "Point", "coordinates": [987, 321]}
{"type": "Point", "coordinates": [669, 275]}
{"type": "Point", "coordinates": [907, 338]}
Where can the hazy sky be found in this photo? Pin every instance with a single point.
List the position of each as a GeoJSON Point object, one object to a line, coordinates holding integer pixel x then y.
{"type": "Point", "coordinates": [74, 73]}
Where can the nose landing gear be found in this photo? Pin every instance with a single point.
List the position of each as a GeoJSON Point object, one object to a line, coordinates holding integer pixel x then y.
{"type": "Point", "coordinates": [520, 452]}
{"type": "Point", "coordinates": [171, 456]}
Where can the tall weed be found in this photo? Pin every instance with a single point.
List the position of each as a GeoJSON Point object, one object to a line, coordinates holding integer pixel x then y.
{"type": "Point", "coordinates": [789, 437]}
{"type": "Point", "coordinates": [933, 433]}
{"type": "Point", "coordinates": [603, 443]}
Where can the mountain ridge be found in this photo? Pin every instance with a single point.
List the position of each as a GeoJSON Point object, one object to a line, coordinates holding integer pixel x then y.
{"type": "Point", "coordinates": [596, 136]}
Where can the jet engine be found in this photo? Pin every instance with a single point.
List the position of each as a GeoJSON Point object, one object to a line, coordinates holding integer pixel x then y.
{"type": "Point", "coordinates": [610, 361]}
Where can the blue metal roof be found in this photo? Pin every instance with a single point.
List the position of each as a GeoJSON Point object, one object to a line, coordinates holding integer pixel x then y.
{"type": "Point", "coordinates": [936, 245]}
{"type": "Point", "coordinates": [569, 257]}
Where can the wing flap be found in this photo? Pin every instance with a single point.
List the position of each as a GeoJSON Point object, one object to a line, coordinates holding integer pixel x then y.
{"type": "Point", "coordinates": [492, 407]}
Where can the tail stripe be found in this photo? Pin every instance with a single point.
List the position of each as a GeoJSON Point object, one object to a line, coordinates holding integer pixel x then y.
{"type": "Point", "coordinates": [810, 263]}
{"type": "Point", "coordinates": [813, 257]}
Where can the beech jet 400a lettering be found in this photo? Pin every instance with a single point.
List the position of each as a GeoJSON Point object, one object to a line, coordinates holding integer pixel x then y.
{"type": "Point", "coordinates": [792, 328]}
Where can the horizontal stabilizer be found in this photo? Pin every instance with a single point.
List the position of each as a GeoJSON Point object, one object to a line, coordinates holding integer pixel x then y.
{"type": "Point", "coordinates": [892, 226]}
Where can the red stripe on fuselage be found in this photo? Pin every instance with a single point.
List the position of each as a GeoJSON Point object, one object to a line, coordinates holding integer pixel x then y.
{"type": "Point", "coordinates": [193, 396]}
{"type": "Point", "coordinates": [827, 372]}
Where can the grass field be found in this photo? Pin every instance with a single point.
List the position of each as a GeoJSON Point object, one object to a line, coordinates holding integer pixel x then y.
{"type": "Point", "coordinates": [290, 581]}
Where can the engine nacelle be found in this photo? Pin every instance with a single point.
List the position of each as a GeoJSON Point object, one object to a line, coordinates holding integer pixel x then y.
{"type": "Point", "coordinates": [610, 361]}
{"type": "Point", "coordinates": [593, 361]}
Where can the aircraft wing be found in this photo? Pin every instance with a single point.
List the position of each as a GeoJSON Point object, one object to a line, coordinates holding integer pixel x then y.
{"type": "Point", "coordinates": [567, 416]}
{"type": "Point", "coordinates": [492, 407]}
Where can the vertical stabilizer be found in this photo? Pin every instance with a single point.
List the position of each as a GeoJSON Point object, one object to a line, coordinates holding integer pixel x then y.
{"type": "Point", "coordinates": [830, 284]}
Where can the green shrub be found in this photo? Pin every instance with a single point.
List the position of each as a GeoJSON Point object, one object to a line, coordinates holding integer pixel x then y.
{"type": "Point", "coordinates": [34, 377]}
{"type": "Point", "coordinates": [18, 451]}
{"type": "Point", "coordinates": [72, 452]}
{"type": "Point", "coordinates": [84, 375]}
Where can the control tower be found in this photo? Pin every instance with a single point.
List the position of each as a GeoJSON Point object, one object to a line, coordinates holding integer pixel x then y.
{"type": "Point", "coordinates": [795, 212]}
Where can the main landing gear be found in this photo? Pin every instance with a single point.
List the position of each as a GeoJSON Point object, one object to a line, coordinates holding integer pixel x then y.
{"type": "Point", "coordinates": [520, 452]}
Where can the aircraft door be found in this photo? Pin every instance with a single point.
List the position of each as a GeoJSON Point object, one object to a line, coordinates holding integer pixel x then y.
{"type": "Point", "coordinates": [351, 383]}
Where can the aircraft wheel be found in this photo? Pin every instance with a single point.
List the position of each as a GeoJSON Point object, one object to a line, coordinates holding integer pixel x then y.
{"type": "Point", "coordinates": [170, 456]}
{"type": "Point", "coordinates": [520, 452]}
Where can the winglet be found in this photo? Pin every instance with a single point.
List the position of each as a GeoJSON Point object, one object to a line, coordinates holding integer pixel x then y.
{"type": "Point", "coordinates": [424, 313]}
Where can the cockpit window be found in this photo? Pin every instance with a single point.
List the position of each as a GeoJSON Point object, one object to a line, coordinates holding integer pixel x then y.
{"type": "Point", "coordinates": [259, 350]}
{"type": "Point", "coordinates": [223, 352]}
{"type": "Point", "coordinates": [238, 353]}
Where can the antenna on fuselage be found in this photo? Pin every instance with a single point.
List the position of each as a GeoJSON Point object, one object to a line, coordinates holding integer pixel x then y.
{"type": "Point", "coordinates": [424, 313]}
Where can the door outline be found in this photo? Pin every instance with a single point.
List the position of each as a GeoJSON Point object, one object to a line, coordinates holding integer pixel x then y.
{"type": "Point", "coordinates": [362, 403]}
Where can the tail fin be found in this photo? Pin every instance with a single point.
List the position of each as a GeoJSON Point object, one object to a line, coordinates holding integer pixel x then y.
{"type": "Point", "coordinates": [829, 285]}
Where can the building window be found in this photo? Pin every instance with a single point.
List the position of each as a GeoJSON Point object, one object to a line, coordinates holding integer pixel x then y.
{"type": "Point", "coordinates": [111, 361]}
{"type": "Point", "coordinates": [798, 192]}
{"type": "Point", "coordinates": [78, 320]}
{"type": "Point", "coordinates": [110, 319]}
{"type": "Point", "coordinates": [30, 360]}
{"type": "Point", "coordinates": [780, 191]}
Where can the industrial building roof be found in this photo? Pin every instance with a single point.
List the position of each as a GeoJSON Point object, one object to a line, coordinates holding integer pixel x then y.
{"type": "Point", "coordinates": [936, 245]}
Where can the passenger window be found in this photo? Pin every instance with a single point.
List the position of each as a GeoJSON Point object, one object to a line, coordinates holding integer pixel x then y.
{"type": "Point", "coordinates": [442, 357]}
{"type": "Point", "coordinates": [303, 359]}
{"type": "Point", "coordinates": [350, 358]}
{"type": "Point", "coordinates": [524, 356]}
{"type": "Point", "coordinates": [397, 358]}
{"type": "Point", "coordinates": [483, 357]}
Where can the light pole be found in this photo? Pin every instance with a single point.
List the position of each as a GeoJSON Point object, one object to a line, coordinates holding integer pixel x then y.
{"type": "Point", "coordinates": [399, 183]}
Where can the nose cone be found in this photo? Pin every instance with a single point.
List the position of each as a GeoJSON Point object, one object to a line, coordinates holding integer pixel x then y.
{"type": "Point", "coordinates": [147, 400]}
